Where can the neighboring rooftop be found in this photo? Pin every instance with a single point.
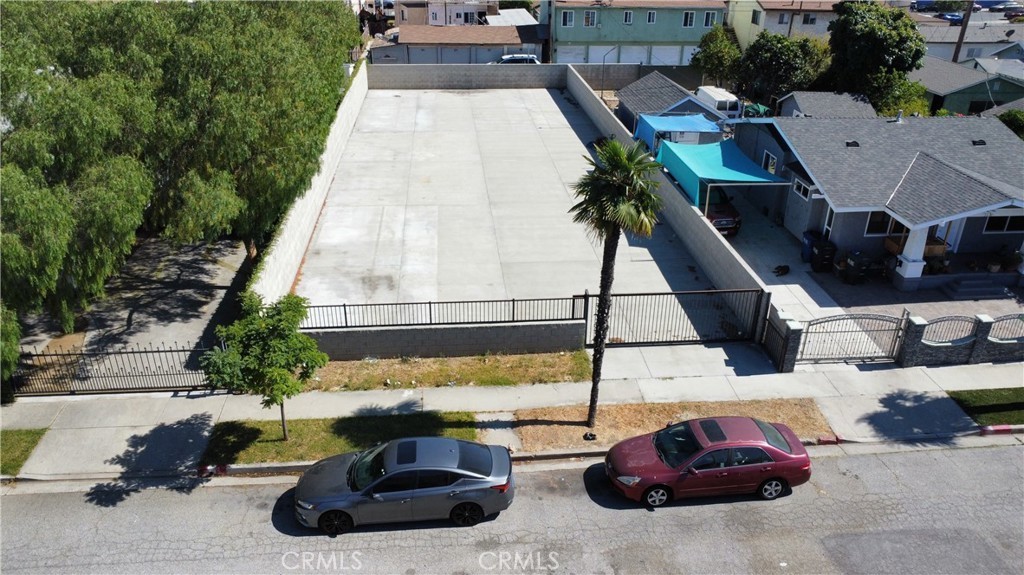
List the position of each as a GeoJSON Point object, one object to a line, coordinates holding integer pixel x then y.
{"type": "Point", "coordinates": [468, 35]}
{"type": "Point", "coordinates": [1017, 104]}
{"type": "Point", "coordinates": [653, 93]}
{"type": "Point", "coordinates": [720, 4]}
{"type": "Point", "coordinates": [511, 17]}
{"type": "Point", "coordinates": [832, 104]}
{"type": "Point", "coordinates": [796, 5]}
{"type": "Point", "coordinates": [941, 77]}
{"type": "Point", "coordinates": [974, 34]}
{"type": "Point", "coordinates": [1008, 67]}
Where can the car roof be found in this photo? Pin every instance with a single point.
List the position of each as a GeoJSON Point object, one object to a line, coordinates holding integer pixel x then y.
{"type": "Point", "coordinates": [420, 452]}
{"type": "Point", "coordinates": [722, 430]}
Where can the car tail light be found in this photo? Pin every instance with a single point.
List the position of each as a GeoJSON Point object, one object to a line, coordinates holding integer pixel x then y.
{"type": "Point", "coordinates": [502, 488]}
{"type": "Point", "coordinates": [806, 466]}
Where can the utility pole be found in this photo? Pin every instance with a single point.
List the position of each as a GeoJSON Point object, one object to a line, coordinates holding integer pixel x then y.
{"type": "Point", "coordinates": [968, 10]}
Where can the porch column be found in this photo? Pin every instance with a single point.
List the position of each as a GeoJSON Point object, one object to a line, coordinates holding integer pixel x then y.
{"type": "Point", "coordinates": [910, 265]}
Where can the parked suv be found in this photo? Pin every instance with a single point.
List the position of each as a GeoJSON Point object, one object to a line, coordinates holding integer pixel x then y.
{"type": "Point", "coordinates": [517, 59]}
{"type": "Point", "coordinates": [721, 213]}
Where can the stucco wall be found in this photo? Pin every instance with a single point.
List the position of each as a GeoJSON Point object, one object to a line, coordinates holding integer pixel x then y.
{"type": "Point", "coordinates": [282, 258]}
{"type": "Point", "coordinates": [465, 77]}
{"type": "Point", "coordinates": [974, 241]}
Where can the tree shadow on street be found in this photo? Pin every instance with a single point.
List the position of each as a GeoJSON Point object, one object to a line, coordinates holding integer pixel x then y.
{"type": "Point", "coordinates": [919, 418]}
{"type": "Point", "coordinates": [166, 457]}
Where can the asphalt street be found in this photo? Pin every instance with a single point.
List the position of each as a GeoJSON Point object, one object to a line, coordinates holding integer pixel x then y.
{"type": "Point", "coordinates": [921, 511]}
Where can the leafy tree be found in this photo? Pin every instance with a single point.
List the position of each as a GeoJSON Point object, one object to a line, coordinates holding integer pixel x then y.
{"type": "Point", "coordinates": [264, 353]}
{"type": "Point", "coordinates": [616, 195]}
{"type": "Point", "coordinates": [717, 56]}
{"type": "Point", "coordinates": [10, 336]}
{"type": "Point", "coordinates": [897, 93]}
{"type": "Point", "coordinates": [774, 65]}
{"type": "Point", "coordinates": [1014, 120]}
{"type": "Point", "coordinates": [512, 4]}
{"type": "Point", "coordinates": [872, 45]}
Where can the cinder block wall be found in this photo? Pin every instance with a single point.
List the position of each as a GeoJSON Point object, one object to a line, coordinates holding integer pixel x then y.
{"type": "Point", "coordinates": [465, 76]}
{"type": "Point", "coordinates": [281, 259]}
{"type": "Point", "coordinates": [450, 340]}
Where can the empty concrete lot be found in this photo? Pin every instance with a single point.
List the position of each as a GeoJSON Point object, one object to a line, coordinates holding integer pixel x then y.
{"type": "Point", "coordinates": [464, 195]}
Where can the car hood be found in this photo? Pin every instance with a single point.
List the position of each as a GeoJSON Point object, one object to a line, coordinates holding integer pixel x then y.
{"type": "Point", "coordinates": [327, 478]}
{"type": "Point", "coordinates": [716, 211]}
{"type": "Point", "coordinates": [636, 456]}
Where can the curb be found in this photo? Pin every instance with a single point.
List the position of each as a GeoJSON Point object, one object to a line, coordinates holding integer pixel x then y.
{"type": "Point", "coordinates": [1003, 429]}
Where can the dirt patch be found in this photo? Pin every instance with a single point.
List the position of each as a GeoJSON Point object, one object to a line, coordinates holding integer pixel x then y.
{"type": "Point", "coordinates": [562, 428]}
{"type": "Point", "coordinates": [70, 342]}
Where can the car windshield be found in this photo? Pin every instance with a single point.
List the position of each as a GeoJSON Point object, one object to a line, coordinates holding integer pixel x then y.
{"type": "Point", "coordinates": [367, 468]}
{"type": "Point", "coordinates": [675, 444]}
{"type": "Point", "coordinates": [717, 196]}
{"type": "Point", "coordinates": [773, 436]}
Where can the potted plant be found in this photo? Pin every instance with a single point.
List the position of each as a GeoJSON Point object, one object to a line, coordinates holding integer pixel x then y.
{"type": "Point", "coordinates": [1011, 261]}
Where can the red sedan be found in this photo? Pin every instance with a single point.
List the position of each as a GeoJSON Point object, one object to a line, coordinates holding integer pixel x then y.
{"type": "Point", "coordinates": [712, 456]}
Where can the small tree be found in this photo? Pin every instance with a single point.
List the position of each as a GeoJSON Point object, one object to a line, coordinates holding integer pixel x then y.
{"type": "Point", "coordinates": [892, 92]}
{"type": "Point", "coordinates": [1014, 120]}
{"type": "Point", "coordinates": [717, 56]}
{"type": "Point", "coordinates": [264, 353]}
{"type": "Point", "coordinates": [773, 65]}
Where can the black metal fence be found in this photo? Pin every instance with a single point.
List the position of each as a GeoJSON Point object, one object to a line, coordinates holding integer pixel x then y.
{"type": "Point", "coordinates": [1008, 327]}
{"type": "Point", "coordinates": [852, 336]}
{"type": "Point", "coordinates": [774, 343]}
{"type": "Point", "coordinates": [950, 329]}
{"type": "Point", "coordinates": [443, 313]}
{"type": "Point", "coordinates": [60, 372]}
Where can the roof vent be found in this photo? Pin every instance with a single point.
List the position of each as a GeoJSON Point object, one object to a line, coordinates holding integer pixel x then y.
{"type": "Point", "coordinates": [852, 144]}
{"type": "Point", "coordinates": [978, 142]}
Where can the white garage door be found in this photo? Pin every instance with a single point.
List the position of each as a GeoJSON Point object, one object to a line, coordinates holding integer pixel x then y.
{"type": "Point", "coordinates": [603, 55]}
{"type": "Point", "coordinates": [633, 55]}
{"type": "Point", "coordinates": [688, 52]}
{"type": "Point", "coordinates": [664, 55]}
{"type": "Point", "coordinates": [571, 55]}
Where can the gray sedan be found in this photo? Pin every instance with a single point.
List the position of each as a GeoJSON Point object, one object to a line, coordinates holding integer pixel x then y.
{"type": "Point", "coordinates": [406, 480]}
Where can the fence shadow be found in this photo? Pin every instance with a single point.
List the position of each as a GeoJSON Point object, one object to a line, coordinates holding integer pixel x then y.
{"type": "Point", "coordinates": [366, 430]}
{"type": "Point", "coordinates": [919, 419]}
{"type": "Point", "coordinates": [166, 457]}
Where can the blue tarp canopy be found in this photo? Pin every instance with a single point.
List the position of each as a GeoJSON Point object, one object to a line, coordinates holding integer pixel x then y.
{"type": "Point", "coordinates": [722, 162]}
{"type": "Point", "coordinates": [649, 126]}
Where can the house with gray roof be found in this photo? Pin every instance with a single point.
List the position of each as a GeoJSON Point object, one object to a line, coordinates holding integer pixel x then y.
{"type": "Point", "coordinates": [1009, 67]}
{"type": "Point", "coordinates": [1014, 105]}
{"type": "Point", "coordinates": [912, 190]}
{"type": "Point", "coordinates": [656, 95]}
{"type": "Point", "coordinates": [979, 41]}
{"type": "Point", "coordinates": [825, 105]}
{"type": "Point", "coordinates": [962, 89]}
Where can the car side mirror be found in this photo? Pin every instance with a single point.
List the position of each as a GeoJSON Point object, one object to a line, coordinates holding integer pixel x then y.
{"type": "Point", "coordinates": [376, 497]}
{"type": "Point", "coordinates": [691, 470]}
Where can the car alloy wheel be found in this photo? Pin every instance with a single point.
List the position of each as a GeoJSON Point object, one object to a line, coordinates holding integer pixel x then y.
{"type": "Point", "coordinates": [335, 522]}
{"type": "Point", "coordinates": [467, 514]}
{"type": "Point", "coordinates": [656, 496]}
{"type": "Point", "coordinates": [771, 489]}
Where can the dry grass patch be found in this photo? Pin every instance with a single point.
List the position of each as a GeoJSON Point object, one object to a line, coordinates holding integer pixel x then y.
{"type": "Point", "coordinates": [560, 428]}
{"type": "Point", "coordinates": [496, 369]}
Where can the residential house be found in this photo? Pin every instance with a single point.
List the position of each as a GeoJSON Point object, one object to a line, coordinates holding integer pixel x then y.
{"type": "Point", "coordinates": [790, 18]}
{"type": "Point", "coordinates": [655, 32]}
{"type": "Point", "coordinates": [825, 105]}
{"type": "Point", "coordinates": [979, 41]}
{"type": "Point", "coordinates": [1014, 105]}
{"type": "Point", "coordinates": [1008, 68]}
{"type": "Point", "coordinates": [447, 13]}
{"type": "Point", "coordinates": [962, 90]}
{"type": "Point", "coordinates": [655, 94]}
{"type": "Point", "coordinates": [457, 44]}
{"type": "Point", "coordinates": [920, 189]}
{"type": "Point", "coordinates": [511, 17]}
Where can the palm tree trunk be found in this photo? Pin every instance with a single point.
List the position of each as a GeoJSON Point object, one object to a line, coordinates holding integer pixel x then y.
{"type": "Point", "coordinates": [604, 309]}
{"type": "Point", "coordinates": [284, 424]}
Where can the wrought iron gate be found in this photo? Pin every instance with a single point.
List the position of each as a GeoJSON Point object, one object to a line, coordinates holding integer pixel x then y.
{"type": "Point", "coordinates": [862, 336]}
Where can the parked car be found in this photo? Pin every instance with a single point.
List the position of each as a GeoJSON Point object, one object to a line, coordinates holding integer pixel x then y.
{"type": "Point", "coordinates": [403, 480]}
{"type": "Point", "coordinates": [517, 59]}
{"type": "Point", "coordinates": [1006, 6]}
{"type": "Point", "coordinates": [721, 213]}
{"type": "Point", "coordinates": [954, 18]}
{"type": "Point", "coordinates": [1013, 14]}
{"type": "Point", "coordinates": [710, 456]}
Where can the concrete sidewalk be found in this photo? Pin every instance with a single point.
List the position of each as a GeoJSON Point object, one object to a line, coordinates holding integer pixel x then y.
{"type": "Point", "coordinates": [103, 437]}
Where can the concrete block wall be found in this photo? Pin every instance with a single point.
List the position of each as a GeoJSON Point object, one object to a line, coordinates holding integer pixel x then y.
{"type": "Point", "coordinates": [608, 76]}
{"type": "Point", "coordinates": [449, 340]}
{"type": "Point", "coordinates": [282, 258]}
{"type": "Point", "coordinates": [988, 350]}
{"type": "Point", "coordinates": [978, 348]}
{"type": "Point", "coordinates": [465, 76]}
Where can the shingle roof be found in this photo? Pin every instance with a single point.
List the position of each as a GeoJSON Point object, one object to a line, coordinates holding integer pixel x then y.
{"type": "Point", "coordinates": [1008, 67]}
{"type": "Point", "coordinates": [941, 77]}
{"type": "Point", "coordinates": [1017, 104]}
{"type": "Point", "coordinates": [468, 35]}
{"type": "Point", "coordinates": [653, 93]}
{"type": "Point", "coordinates": [974, 34]}
{"type": "Point", "coordinates": [932, 190]}
{"type": "Point", "coordinates": [865, 176]}
{"type": "Point", "coordinates": [832, 104]}
{"type": "Point", "coordinates": [797, 5]}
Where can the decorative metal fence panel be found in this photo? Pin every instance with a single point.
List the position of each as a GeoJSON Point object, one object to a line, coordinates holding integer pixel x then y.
{"type": "Point", "coordinates": [774, 344]}
{"type": "Point", "coordinates": [678, 317]}
{"type": "Point", "coordinates": [442, 313]}
{"type": "Point", "coordinates": [851, 337]}
{"type": "Point", "coordinates": [954, 329]}
{"type": "Point", "coordinates": [1008, 327]}
{"type": "Point", "coordinates": [60, 371]}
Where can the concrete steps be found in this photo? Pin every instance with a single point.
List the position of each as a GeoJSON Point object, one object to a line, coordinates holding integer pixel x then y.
{"type": "Point", "coordinates": [974, 289]}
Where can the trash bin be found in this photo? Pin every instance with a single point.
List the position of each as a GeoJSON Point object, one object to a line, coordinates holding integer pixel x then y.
{"type": "Point", "coordinates": [823, 253]}
{"type": "Point", "coordinates": [857, 265]}
{"type": "Point", "coordinates": [811, 237]}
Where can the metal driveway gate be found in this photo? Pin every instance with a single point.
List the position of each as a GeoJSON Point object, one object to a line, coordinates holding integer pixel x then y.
{"type": "Point", "coordinates": [852, 336]}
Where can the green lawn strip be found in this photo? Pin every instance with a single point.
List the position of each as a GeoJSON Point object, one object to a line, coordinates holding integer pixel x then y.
{"type": "Point", "coordinates": [15, 447]}
{"type": "Point", "coordinates": [252, 441]}
{"type": "Point", "coordinates": [992, 406]}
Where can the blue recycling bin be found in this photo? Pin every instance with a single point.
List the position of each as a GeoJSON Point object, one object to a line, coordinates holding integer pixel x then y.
{"type": "Point", "coordinates": [811, 237]}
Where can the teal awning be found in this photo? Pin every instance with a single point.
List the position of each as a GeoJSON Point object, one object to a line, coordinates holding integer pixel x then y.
{"type": "Point", "coordinates": [721, 162]}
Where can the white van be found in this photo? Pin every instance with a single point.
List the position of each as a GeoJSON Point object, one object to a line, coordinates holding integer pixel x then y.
{"type": "Point", "coordinates": [725, 102]}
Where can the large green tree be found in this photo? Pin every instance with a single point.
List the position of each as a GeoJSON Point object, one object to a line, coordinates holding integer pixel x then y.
{"type": "Point", "coordinates": [774, 65]}
{"type": "Point", "coordinates": [872, 47]}
{"type": "Point", "coordinates": [717, 55]}
{"type": "Point", "coordinates": [264, 353]}
{"type": "Point", "coordinates": [616, 195]}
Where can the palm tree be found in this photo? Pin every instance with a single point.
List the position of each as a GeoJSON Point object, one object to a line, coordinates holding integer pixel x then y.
{"type": "Point", "coordinates": [616, 195]}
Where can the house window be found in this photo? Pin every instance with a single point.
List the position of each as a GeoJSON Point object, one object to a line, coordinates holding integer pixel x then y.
{"type": "Point", "coordinates": [403, 14]}
{"type": "Point", "coordinates": [627, 17]}
{"type": "Point", "coordinates": [802, 189]}
{"type": "Point", "coordinates": [650, 17]}
{"type": "Point", "coordinates": [567, 18]}
{"type": "Point", "coordinates": [810, 19]}
{"type": "Point", "coordinates": [755, 17]}
{"type": "Point", "coordinates": [688, 19]}
{"type": "Point", "coordinates": [433, 16]}
{"type": "Point", "coordinates": [784, 18]}
{"type": "Point", "coordinates": [589, 18]}
{"type": "Point", "coordinates": [768, 163]}
{"type": "Point", "coordinates": [973, 52]}
{"type": "Point", "coordinates": [1004, 224]}
{"type": "Point", "coordinates": [878, 224]}
{"type": "Point", "coordinates": [709, 19]}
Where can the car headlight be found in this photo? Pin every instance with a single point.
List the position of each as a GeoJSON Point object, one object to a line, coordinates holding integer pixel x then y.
{"type": "Point", "coordinates": [304, 504]}
{"type": "Point", "coordinates": [628, 480]}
